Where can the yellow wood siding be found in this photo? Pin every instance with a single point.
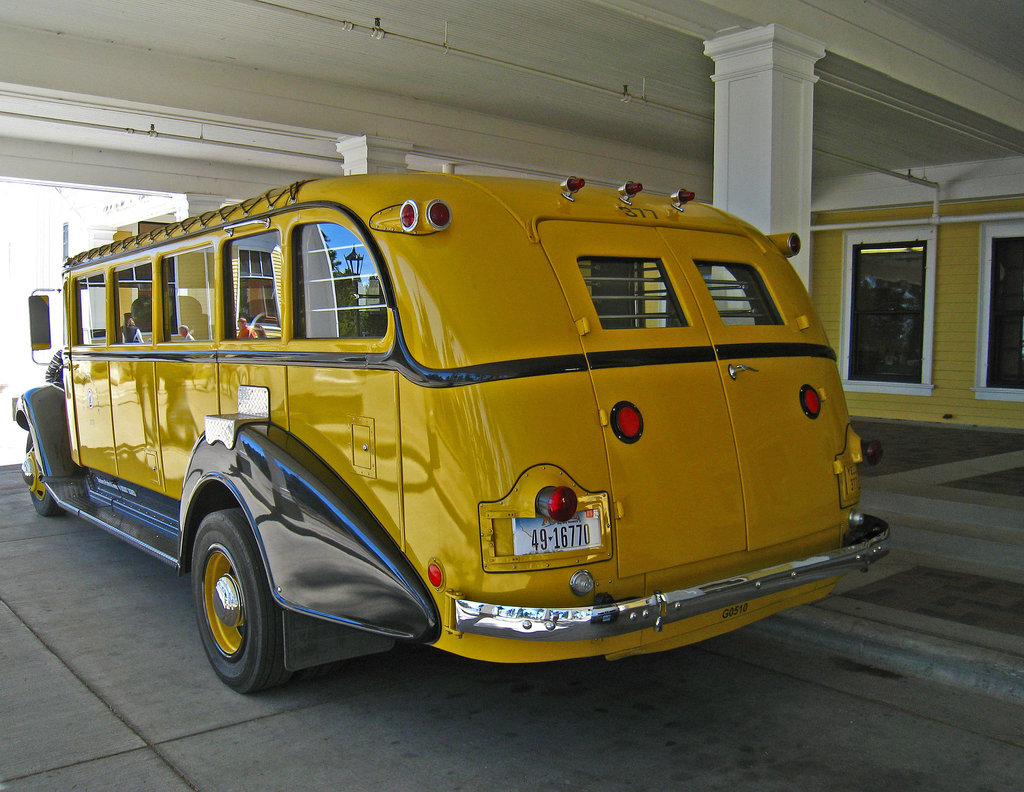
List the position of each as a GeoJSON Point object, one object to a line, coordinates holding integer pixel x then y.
{"type": "Point", "coordinates": [958, 253]}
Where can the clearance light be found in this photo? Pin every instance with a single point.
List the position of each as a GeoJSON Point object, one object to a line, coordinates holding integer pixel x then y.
{"type": "Point", "coordinates": [556, 503]}
{"type": "Point", "coordinates": [628, 190]}
{"type": "Point", "coordinates": [439, 215]}
{"type": "Point", "coordinates": [871, 450]}
{"type": "Point", "coordinates": [681, 198]}
{"type": "Point", "coordinates": [810, 401]}
{"type": "Point", "coordinates": [627, 422]}
{"type": "Point", "coordinates": [409, 215]}
{"type": "Point", "coordinates": [435, 574]}
{"type": "Point", "coordinates": [571, 186]}
{"type": "Point", "coordinates": [788, 244]}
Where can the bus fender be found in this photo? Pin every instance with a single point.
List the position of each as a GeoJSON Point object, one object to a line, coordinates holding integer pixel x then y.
{"type": "Point", "coordinates": [42, 412]}
{"type": "Point", "coordinates": [326, 555]}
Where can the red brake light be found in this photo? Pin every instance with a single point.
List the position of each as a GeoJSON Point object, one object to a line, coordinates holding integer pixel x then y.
{"type": "Point", "coordinates": [409, 215]}
{"type": "Point", "coordinates": [629, 189]}
{"type": "Point", "coordinates": [871, 450]}
{"type": "Point", "coordinates": [810, 401]}
{"type": "Point", "coordinates": [439, 215]}
{"type": "Point", "coordinates": [556, 503]}
{"type": "Point", "coordinates": [627, 422]}
{"type": "Point", "coordinates": [571, 186]}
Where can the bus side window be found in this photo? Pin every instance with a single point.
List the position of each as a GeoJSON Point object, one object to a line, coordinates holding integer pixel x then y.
{"type": "Point", "coordinates": [133, 303]}
{"type": "Point", "coordinates": [338, 291]}
{"type": "Point", "coordinates": [188, 296]}
{"type": "Point", "coordinates": [92, 309]}
{"type": "Point", "coordinates": [253, 268]}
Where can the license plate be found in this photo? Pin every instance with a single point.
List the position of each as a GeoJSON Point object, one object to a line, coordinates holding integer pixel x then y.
{"type": "Point", "coordinates": [534, 535]}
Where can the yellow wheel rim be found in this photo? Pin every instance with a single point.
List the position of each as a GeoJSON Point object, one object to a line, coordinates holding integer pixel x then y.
{"type": "Point", "coordinates": [220, 582]}
{"type": "Point", "coordinates": [36, 485]}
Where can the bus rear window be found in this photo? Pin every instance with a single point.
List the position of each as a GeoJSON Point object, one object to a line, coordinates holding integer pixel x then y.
{"type": "Point", "coordinates": [631, 293]}
{"type": "Point", "coordinates": [739, 293]}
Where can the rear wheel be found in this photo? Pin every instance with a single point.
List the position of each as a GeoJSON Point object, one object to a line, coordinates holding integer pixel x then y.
{"type": "Point", "coordinates": [239, 623]}
{"type": "Point", "coordinates": [43, 501]}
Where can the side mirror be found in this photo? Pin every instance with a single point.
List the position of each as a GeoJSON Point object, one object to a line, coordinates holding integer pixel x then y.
{"type": "Point", "coordinates": [39, 322]}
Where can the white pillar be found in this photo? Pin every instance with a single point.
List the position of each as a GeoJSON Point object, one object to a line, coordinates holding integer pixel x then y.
{"type": "Point", "coordinates": [200, 203]}
{"type": "Point", "coordinates": [368, 154]}
{"type": "Point", "coordinates": [764, 105]}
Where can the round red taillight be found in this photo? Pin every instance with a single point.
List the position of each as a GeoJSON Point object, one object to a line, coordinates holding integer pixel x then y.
{"type": "Point", "coordinates": [871, 450]}
{"type": "Point", "coordinates": [627, 422]}
{"type": "Point", "coordinates": [810, 401]}
{"type": "Point", "coordinates": [439, 215]}
{"type": "Point", "coordinates": [556, 503]}
{"type": "Point", "coordinates": [409, 215]}
{"type": "Point", "coordinates": [435, 574]}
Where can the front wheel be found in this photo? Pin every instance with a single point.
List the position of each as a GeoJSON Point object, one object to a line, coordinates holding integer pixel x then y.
{"type": "Point", "coordinates": [43, 501]}
{"type": "Point", "coordinates": [239, 623]}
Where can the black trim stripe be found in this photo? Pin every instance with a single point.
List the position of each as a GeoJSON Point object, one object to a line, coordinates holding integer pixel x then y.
{"type": "Point", "coordinates": [784, 349]}
{"type": "Point", "coordinates": [399, 360]}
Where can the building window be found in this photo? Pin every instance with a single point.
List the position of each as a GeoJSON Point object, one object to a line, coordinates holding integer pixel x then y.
{"type": "Point", "coordinates": [1000, 361]}
{"type": "Point", "coordinates": [1006, 329]}
{"type": "Point", "coordinates": [887, 319]}
{"type": "Point", "coordinates": [889, 308]}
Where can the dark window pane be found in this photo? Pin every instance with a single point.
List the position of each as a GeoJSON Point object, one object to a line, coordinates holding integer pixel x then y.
{"type": "Point", "coordinates": [1006, 331]}
{"type": "Point", "coordinates": [887, 338]}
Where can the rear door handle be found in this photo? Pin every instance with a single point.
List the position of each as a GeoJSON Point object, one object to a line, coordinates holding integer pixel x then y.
{"type": "Point", "coordinates": [734, 371]}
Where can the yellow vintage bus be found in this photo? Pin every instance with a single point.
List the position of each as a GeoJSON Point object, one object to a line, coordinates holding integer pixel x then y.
{"type": "Point", "coordinates": [516, 420]}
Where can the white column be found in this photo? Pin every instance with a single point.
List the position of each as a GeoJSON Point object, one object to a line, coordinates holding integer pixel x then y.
{"type": "Point", "coordinates": [200, 203]}
{"type": "Point", "coordinates": [764, 105]}
{"type": "Point", "coordinates": [368, 154]}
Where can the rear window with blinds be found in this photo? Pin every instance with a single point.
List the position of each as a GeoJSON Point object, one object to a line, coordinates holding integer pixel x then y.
{"type": "Point", "coordinates": [631, 293]}
{"type": "Point", "coordinates": [739, 293]}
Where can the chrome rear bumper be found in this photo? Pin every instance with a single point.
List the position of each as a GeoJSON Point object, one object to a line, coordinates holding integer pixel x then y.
{"type": "Point", "coordinates": [603, 621]}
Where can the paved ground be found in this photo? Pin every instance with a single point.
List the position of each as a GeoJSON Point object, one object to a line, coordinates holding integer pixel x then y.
{"type": "Point", "coordinates": [910, 677]}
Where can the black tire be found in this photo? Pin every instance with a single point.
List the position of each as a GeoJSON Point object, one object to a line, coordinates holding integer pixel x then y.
{"type": "Point", "coordinates": [243, 642]}
{"type": "Point", "coordinates": [43, 501]}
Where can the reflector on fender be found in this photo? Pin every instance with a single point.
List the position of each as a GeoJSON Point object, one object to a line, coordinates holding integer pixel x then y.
{"type": "Point", "coordinates": [409, 215]}
{"type": "Point", "coordinates": [810, 401]}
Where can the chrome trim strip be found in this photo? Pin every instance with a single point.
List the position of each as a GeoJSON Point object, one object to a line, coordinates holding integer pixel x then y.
{"type": "Point", "coordinates": [603, 621]}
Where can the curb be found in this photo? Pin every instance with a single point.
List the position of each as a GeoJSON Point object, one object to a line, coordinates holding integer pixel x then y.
{"type": "Point", "coordinates": [992, 673]}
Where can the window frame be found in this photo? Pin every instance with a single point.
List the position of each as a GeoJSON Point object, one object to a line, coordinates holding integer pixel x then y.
{"type": "Point", "coordinates": [990, 232]}
{"type": "Point", "coordinates": [852, 239]}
